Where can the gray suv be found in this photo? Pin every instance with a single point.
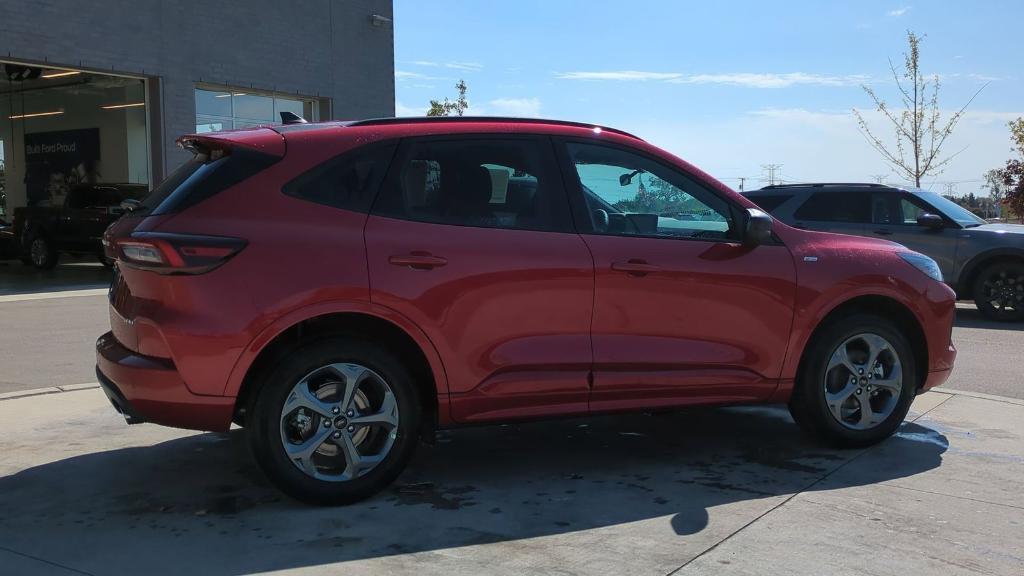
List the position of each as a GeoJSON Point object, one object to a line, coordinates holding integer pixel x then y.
{"type": "Point", "coordinates": [981, 261]}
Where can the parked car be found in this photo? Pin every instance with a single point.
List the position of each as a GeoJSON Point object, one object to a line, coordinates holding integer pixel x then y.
{"type": "Point", "coordinates": [341, 289]}
{"type": "Point", "coordinates": [8, 247]}
{"type": "Point", "coordinates": [75, 227]}
{"type": "Point", "coordinates": [982, 261]}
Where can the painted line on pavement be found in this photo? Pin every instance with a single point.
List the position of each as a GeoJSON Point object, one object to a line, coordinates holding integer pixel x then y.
{"type": "Point", "coordinates": [50, 295]}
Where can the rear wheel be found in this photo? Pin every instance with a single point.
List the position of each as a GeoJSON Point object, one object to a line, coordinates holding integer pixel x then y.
{"type": "Point", "coordinates": [336, 422]}
{"type": "Point", "coordinates": [42, 253]}
{"type": "Point", "coordinates": [999, 291]}
{"type": "Point", "coordinates": [858, 382]}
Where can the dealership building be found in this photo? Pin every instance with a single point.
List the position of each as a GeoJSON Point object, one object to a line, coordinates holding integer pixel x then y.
{"type": "Point", "coordinates": [99, 91]}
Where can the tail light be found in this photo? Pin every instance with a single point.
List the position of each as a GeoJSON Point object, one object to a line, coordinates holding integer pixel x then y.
{"type": "Point", "coordinates": [168, 253]}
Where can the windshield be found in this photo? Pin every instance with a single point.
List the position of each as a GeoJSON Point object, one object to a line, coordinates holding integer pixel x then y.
{"type": "Point", "coordinates": [950, 209]}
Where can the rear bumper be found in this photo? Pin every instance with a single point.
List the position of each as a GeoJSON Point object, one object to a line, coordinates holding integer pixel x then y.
{"type": "Point", "coordinates": [147, 389]}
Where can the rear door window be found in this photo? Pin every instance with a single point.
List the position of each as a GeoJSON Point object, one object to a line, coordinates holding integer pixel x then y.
{"type": "Point", "coordinates": [482, 182]}
{"type": "Point", "coordinates": [769, 203]}
{"type": "Point", "coordinates": [853, 207]}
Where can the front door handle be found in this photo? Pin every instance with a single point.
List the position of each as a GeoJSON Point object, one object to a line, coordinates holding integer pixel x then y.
{"type": "Point", "coordinates": [883, 232]}
{"type": "Point", "coordinates": [418, 261]}
{"type": "Point", "coordinates": [635, 267]}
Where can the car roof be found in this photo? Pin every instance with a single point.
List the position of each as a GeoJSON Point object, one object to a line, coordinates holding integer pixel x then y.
{"type": "Point", "coordinates": [830, 187]}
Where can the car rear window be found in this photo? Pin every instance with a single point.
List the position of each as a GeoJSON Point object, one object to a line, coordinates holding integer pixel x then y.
{"type": "Point", "coordinates": [769, 203]}
{"type": "Point", "coordinates": [349, 181]}
{"type": "Point", "coordinates": [203, 177]}
{"type": "Point", "coordinates": [836, 207]}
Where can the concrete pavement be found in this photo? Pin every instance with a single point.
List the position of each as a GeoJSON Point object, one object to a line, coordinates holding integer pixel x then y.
{"type": "Point", "coordinates": [724, 491]}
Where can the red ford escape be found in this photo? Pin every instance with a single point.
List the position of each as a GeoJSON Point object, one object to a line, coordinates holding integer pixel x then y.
{"type": "Point", "coordinates": [341, 289]}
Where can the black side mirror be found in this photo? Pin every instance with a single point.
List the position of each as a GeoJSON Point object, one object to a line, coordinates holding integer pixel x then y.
{"type": "Point", "coordinates": [758, 229]}
{"type": "Point", "coordinates": [129, 204]}
{"type": "Point", "coordinates": [929, 220]}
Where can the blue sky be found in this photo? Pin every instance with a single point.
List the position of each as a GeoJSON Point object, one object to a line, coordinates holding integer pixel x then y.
{"type": "Point", "coordinates": [727, 85]}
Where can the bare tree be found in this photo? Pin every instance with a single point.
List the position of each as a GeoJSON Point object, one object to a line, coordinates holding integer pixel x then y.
{"type": "Point", "coordinates": [920, 130]}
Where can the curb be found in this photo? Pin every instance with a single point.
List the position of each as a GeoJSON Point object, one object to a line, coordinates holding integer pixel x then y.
{"type": "Point", "coordinates": [979, 395]}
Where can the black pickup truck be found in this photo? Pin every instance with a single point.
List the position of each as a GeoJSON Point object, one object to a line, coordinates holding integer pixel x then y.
{"type": "Point", "coordinates": [42, 233]}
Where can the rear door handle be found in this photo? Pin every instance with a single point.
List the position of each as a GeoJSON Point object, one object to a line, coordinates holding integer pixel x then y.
{"type": "Point", "coordinates": [635, 267]}
{"type": "Point", "coordinates": [883, 232]}
{"type": "Point", "coordinates": [418, 261]}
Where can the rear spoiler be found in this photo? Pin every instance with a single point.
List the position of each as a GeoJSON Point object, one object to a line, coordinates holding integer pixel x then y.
{"type": "Point", "coordinates": [262, 140]}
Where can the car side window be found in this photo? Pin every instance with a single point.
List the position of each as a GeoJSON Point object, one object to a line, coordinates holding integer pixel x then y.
{"type": "Point", "coordinates": [631, 195]}
{"type": "Point", "coordinates": [480, 182]}
{"type": "Point", "coordinates": [852, 207]}
{"type": "Point", "coordinates": [349, 181]}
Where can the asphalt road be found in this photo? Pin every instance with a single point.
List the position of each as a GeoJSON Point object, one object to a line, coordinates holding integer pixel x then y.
{"type": "Point", "coordinates": [49, 342]}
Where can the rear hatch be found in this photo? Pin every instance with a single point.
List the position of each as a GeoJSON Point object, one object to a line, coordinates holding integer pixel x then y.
{"type": "Point", "coordinates": [150, 263]}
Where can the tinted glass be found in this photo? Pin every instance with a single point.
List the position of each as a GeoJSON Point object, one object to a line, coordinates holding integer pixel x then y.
{"type": "Point", "coordinates": [490, 183]}
{"type": "Point", "coordinates": [628, 194]}
{"type": "Point", "coordinates": [201, 178]}
{"type": "Point", "coordinates": [769, 203]}
{"type": "Point", "coordinates": [349, 181]}
{"type": "Point", "coordinates": [836, 207]}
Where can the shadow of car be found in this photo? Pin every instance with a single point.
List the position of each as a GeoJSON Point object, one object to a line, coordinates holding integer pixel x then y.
{"type": "Point", "coordinates": [113, 510]}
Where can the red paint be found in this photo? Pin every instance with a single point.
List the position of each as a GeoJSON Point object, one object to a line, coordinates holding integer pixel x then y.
{"type": "Point", "coordinates": [513, 323]}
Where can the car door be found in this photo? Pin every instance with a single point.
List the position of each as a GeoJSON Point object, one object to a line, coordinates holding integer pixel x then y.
{"type": "Point", "coordinates": [684, 313]}
{"type": "Point", "coordinates": [471, 238]}
{"type": "Point", "coordinates": [894, 217]}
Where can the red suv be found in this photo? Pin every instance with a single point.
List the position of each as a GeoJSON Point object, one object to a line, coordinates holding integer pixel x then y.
{"type": "Point", "coordinates": [341, 289]}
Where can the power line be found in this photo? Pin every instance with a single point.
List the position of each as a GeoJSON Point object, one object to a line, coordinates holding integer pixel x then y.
{"type": "Point", "coordinates": [770, 169]}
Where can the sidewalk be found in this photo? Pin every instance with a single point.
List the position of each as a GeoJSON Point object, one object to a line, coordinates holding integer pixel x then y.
{"type": "Point", "coordinates": [726, 491]}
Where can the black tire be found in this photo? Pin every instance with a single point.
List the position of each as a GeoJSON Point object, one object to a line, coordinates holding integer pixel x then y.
{"type": "Point", "coordinates": [42, 253]}
{"type": "Point", "coordinates": [999, 291]}
{"type": "Point", "coordinates": [264, 423]}
{"type": "Point", "coordinates": [808, 405]}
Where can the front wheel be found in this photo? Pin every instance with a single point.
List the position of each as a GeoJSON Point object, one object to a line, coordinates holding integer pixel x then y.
{"type": "Point", "coordinates": [336, 421]}
{"type": "Point", "coordinates": [857, 383]}
{"type": "Point", "coordinates": [999, 292]}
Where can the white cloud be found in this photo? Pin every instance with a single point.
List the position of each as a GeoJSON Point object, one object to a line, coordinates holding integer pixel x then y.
{"type": "Point", "coordinates": [521, 107]}
{"type": "Point", "coordinates": [418, 77]}
{"type": "Point", "coordinates": [620, 75]}
{"type": "Point", "coordinates": [401, 110]}
{"type": "Point", "coordinates": [427, 63]}
{"type": "Point", "coordinates": [746, 79]}
{"type": "Point", "coordinates": [898, 12]}
{"type": "Point", "coordinates": [468, 66]}
{"type": "Point", "coordinates": [753, 80]}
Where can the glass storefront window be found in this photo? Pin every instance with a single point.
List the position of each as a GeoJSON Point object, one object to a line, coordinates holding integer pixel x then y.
{"type": "Point", "coordinates": [227, 109]}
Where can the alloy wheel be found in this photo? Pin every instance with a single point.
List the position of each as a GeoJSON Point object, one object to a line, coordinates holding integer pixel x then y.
{"type": "Point", "coordinates": [1004, 291]}
{"type": "Point", "coordinates": [863, 381]}
{"type": "Point", "coordinates": [339, 422]}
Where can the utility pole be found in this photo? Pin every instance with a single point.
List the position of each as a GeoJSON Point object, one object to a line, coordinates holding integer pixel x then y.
{"type": "Point", "coordinates": [771, 169]}
{"type": "Point", "coordinates": [879, 178]}
{"type": "Point", "coordinates": [950, 188]}
{"type": "Point", "coordinates": [742, 180]}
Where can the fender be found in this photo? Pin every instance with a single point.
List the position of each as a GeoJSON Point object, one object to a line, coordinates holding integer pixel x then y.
{"type": "Point", "coordinates": [963, 288]}
{"type": "Point", "coordinates": [815, 311]}
{"type": "Point", "coordinates": [282, 323]}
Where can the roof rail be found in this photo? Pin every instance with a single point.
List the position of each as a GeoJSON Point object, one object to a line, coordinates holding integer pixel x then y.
{"type": "Point", "coordinates": [443, 119]}
{"type": "Point", "coordinates": [824, 184]}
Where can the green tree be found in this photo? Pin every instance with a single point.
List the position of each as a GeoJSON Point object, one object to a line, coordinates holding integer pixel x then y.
{"type": "Point", "coordinates": [920, 130]}
{"type": "Point", "coordinates": [447, 107]}
{"type": "Point", "coordinates": [1012, 174]}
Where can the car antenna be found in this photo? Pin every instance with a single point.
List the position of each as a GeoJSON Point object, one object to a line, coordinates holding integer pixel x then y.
{"type": "Point", "coordinates": [292, 118]}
